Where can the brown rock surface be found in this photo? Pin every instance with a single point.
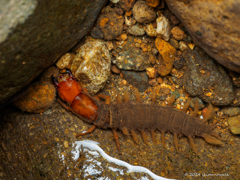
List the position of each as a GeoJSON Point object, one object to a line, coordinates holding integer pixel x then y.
{"type": "Point", "coordinates": [34, 34]}
{"type": "Point", "coordinates": [214, 26]}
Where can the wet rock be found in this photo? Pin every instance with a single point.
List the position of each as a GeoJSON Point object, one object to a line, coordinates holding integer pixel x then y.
{"type": "Point", "coordinates": [91, 65]}
{"type": "Point", "coordinates": [111, 24]}
{"type": "Point", "coordinates": [97, 33]}
{"type": "Point", "coordinates": [163, 27]}
{"type": "Point", "coordinates": [234, 124]}
{"type": "Point", "coordinates": [127, 4]}
{"type": "Point", "coordinates": [206, 79]}
{"type": "Point", "coordinates": [65, 60]}
{"type": "Point", "coordinates": [235, 78]}
{"type": "Point", "coordinates": [153, 3]}
{"type": "Point", "coordinates": [214, 26]}
{"type": "Point", "coordinates": [131, 57]}
{"type": "Point", "coordinates": [177, 33]}
{"type": "Point", "coordinates": [194, 101]}
{"type": "Point", "coordinates": [129, 21]}
{"type": "Point", "coordinates": [137, 79]}
{"type": "Point", "coordinates": [40, 95]}
{"type": "Point", "coordinates": [150, 30]}
{"type": "Point", "coordinates": [231, 111]}
{"type": "Point", "coordinates": [143, 13]}
{"type": "Point", "coordinates": [166, 56]}
{"type": "Point", "coordinates": [39, 33]}
{"type": "Point", "coordinates": [136, 30]}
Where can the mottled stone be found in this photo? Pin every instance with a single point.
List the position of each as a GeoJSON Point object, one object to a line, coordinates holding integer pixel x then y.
{"type": "Point", "coordinates": [65, 60]}
{"type": "Point", "coordinates": [166, 56]}
{"type": "Point", "coordinates": [179, 61]}
{"type": "Point", "coordinates": [129, 21]}
{"type": "Point", "coordinates": [214, 26]}
{"type": "Point", "coordinates": [131, 57]}
{"type": "Point", "coordinates": [174, 43]}
{"type": "Point", "coordinates": [127, 4]}
{"type": "Point", "coordinates": [137, 79]}
{"type": "Point", "coordinates": [97, 33]}
{"type": "Point", "coordinates": [206, 79]}
{"type": "Point", "coordinates": [91, 65]}
{"type": "Point", "coordinates": [111, 24]}
{"type": "Point", "coordinates": [231, 111]}
{"type": "Point", "coordinates": [150, 30]}
{"type": "Point", "coordinates": [183, 46]}
{"type": "Point", "coordinates": [234, 124]}
{"type": "Point", "coordinates": [136, 30]}
{"type": "Point", "coordinates": [163, 27]}
{"type": "Point", "coordinates": [151, 72]}
{"type": "Point", "coordinates": [194, 101]}
{"type": "Point", "coordinates": [34, 34]}
{"type": "Point", "coordinates": [153, 3]}
{"type": "Point", "coordinates": [177, 33]}
{"type": "Point", "coordinates": [143, 13]}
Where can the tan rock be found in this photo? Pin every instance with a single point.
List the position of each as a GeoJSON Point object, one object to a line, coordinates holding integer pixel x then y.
{"type": "Point", "coordinates": [177, 33]}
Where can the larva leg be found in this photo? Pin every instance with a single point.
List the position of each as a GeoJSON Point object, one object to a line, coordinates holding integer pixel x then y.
{"type": "Point", "coordinates": [116, 138]}
{"type": "Point", "coordinates": [134, 136]}
{"type": "Point", "coordinates": [194, 113]}
{"type": "Point", "coordinates": [87, 132]}
{"type": "Point", "coordinates": [119, 100]}
{"type": "Point", "coordinates": [107, 98]}
{"type": "Point", "coordinates": [192, 144]}
{"type": "Point", "coordinates": [171, 100]}
{"type": "Point", "coordinates": [138, 97]}
{"type": "Point", "coordinates": [175, 139]}
{"type": "Point", "coordinates": [126, 97]}
{"type": "Point", "coordinates": [186, 106]}
{"type": "Point", "coordinates": [144, 136]}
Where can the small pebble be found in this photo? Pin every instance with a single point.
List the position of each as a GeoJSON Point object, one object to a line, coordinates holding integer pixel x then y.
{"type": "Point", "coordinates": [151, 72]}
{"type": "Point", "coordinates": [64, 61]}
{"type": "Point", "coordinates": [174, 20]}
{"type": "Point", "coordinates": [163, 27]}
{"type": "Point", "coordinates": [183, 46]}
{"type": "Point", "coordinates": [153, 3]}
{"type": "Point", "coordinates": [66, 144]}
{"type": "Point", "coordinates": [234, 124]}
{"type": "Point", "coordinates": [136, 30]}
{"type": "Point", "coordinates": [115, 69]}
{"type": "Point", "coordinates": [231, 111]}
{"type": "Point", "coordinates": [143, 13]}
{"type": "Point", "coordinates": [177, 33]}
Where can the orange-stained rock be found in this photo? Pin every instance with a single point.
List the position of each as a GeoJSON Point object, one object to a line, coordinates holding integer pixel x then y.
{"type": "Point", "coordinates": [177, 33]}
{"type": "Point", "coordinates": [40, 97]}
{"type": "Point", "coordinates": [166, 56]}
{"type": "Point", "coordinates": [153, 3]}
{"type": "Point", "coordinates": [214, 26]}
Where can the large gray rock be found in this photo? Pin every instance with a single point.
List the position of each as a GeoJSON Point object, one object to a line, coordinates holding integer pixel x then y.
{"type": "Point", "coordinates": [34, 34]}
{"type": "Point", "coordinates": [214, 26]}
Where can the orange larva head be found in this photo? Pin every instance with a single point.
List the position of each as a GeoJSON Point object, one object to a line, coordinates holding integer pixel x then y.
{"type": "Point", "coordinates": [68, 88]}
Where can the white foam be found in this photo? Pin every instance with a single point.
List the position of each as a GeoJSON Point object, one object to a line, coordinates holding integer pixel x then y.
{"type": "Point", "coordinates": [93, 146]}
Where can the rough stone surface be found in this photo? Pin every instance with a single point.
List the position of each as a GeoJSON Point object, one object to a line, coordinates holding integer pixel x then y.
{"type": "Point", "coordinates": [91, 65]}
{"type": "Point", "coordinates": [206, 79]}
{"type": "Point", "coordinates": [131, 57]}
{"type": "Point", "coordinates": [231, 111]}
{"type": "Point", "coordinates": [236, 101]}
{"type": "Point", "coordinates": [150, 30]}
{"type": "Point", "coordinates": [234, 124]}
{"type": "Point", "coordinates": [143, 13]}
{"type": "Point", "coordinates": [136, 30]}
{"type": "Point", "coordinates": [163, 27]}
{"type": "Point", "coordinates": [137, 79]}
{"type": "Point", "coordinates": [111, 24]}
{"type": "Point", "coordinates": [42, 31]}
{"type": "Point", "coordinates": [127, 4]}
{"type": "Point", "coordinates": [177, 33]}
{"type": "Point", "coordinates": [166, 56]}
{"type": "Point", "coordinates": [214, 26]}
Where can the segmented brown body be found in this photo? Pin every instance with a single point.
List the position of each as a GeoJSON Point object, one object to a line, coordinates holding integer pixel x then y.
{"type": "Point", "coordinates": [149, 117]}
{"type": "Point", "coordinates": [129, 117]}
